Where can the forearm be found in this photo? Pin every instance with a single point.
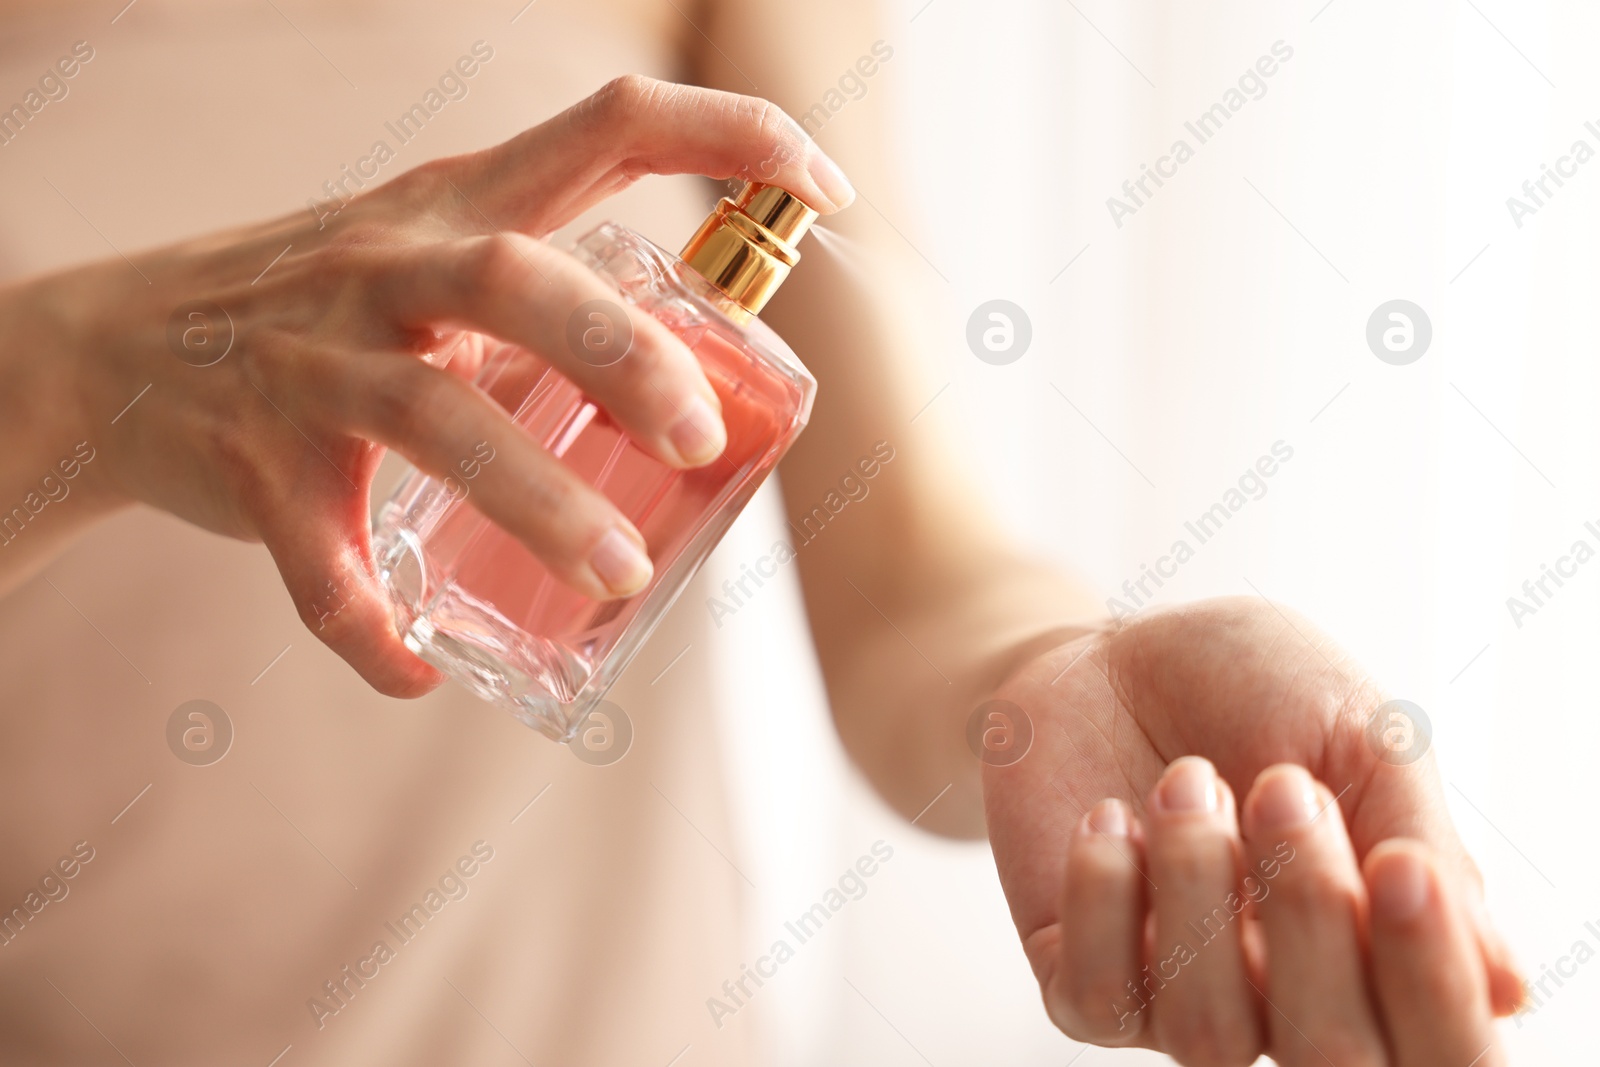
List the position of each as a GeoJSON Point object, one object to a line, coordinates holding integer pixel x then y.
{"type": "Point", "coordinates": [910, 653]}
{"type": "Point", "coordinates": [51, 458]}
{"type": "Point", "coordinates": [918, 603]}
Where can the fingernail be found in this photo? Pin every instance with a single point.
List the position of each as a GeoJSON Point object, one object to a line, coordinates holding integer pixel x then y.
{"type": "Point", "coordinates": [620, 563]}
{"type": "Point", "coordinates": [1285, 801]}
{"type": "Point", "coordinates": [1190, 784]}
{"type": "Point", "coordinates": [830, 179]}
{"type": "Point", "coordinates": [698, 435]}
{"type": "Point", "coordinates": [1400, 887]}
{"type": "Point", "coordinates": [1108, 817]}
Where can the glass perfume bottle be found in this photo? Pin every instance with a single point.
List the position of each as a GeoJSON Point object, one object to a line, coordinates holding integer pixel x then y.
{"type": "Point", "coordinates": [474, 602]}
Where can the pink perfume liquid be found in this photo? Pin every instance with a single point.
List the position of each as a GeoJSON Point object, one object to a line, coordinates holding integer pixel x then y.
{"type": "Point", "coordinates": [470, 599]}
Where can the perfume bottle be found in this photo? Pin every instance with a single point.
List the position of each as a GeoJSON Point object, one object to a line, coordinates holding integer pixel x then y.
{"type": "Point", "coordinates": [474, 602]}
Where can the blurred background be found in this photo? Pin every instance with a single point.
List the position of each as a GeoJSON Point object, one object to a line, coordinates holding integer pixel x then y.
{"type": "Point", "coordinates": [1227, 313]}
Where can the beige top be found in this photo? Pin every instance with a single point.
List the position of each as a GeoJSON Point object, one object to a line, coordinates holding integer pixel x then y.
{"type": "Point", "coordinates": [220, 899]}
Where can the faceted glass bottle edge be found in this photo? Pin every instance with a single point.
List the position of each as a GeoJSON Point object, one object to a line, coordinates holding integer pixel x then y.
{"type": "Point", "coordinates": [645, 275]}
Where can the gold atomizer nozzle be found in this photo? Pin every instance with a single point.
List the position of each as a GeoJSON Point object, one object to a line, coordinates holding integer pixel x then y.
{"type": "Point", "coordinates": [746, 246]}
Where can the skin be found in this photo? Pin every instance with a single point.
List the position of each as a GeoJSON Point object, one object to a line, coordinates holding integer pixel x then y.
{"type": "Point", "coordinates": [1119, 828]}
{"type": "Point", "coordinates": [341, 347]}
{"type": "Point", "coordinates": [973, 619]}
{"type": "Point", "coordinates": [336, 352]}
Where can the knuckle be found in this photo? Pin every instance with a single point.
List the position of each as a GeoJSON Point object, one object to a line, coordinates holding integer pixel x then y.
{"type": "Point", "coordinates": [772, 128]}
{"type": "Point", "coordinates": [483, 263]}
{"type": "Point", "coordinates": [490, 264]}
{"type": "Point", "coordinates": [617, 102]}
{"type": "Point", "coordinates": [775, 140]}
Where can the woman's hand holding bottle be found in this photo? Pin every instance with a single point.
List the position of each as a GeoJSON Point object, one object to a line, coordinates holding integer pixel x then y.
{"type": "Point", "coordinates": [347, 335]}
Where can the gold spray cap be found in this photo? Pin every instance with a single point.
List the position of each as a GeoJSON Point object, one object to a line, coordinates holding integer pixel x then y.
{"type": "Point", "coordinates": [746, 246]}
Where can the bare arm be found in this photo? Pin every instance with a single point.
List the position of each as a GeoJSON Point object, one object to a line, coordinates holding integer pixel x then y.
{"type": "Point", "coordinates": [919, 604]}
{"type": "Point", "coordinates": [1114, 708]}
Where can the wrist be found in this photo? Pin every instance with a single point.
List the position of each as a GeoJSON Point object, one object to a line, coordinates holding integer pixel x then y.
{"type": "Point", "coordinates": [53, 443]}
{"type": "Point", "coordinates": [1020, 656]}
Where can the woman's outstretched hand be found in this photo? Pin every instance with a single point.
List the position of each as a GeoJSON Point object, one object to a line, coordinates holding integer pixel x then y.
{"type": "Point", "coordinates": [348, 334]}
{"type": "Point", "coordinates": [1330, 916]}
